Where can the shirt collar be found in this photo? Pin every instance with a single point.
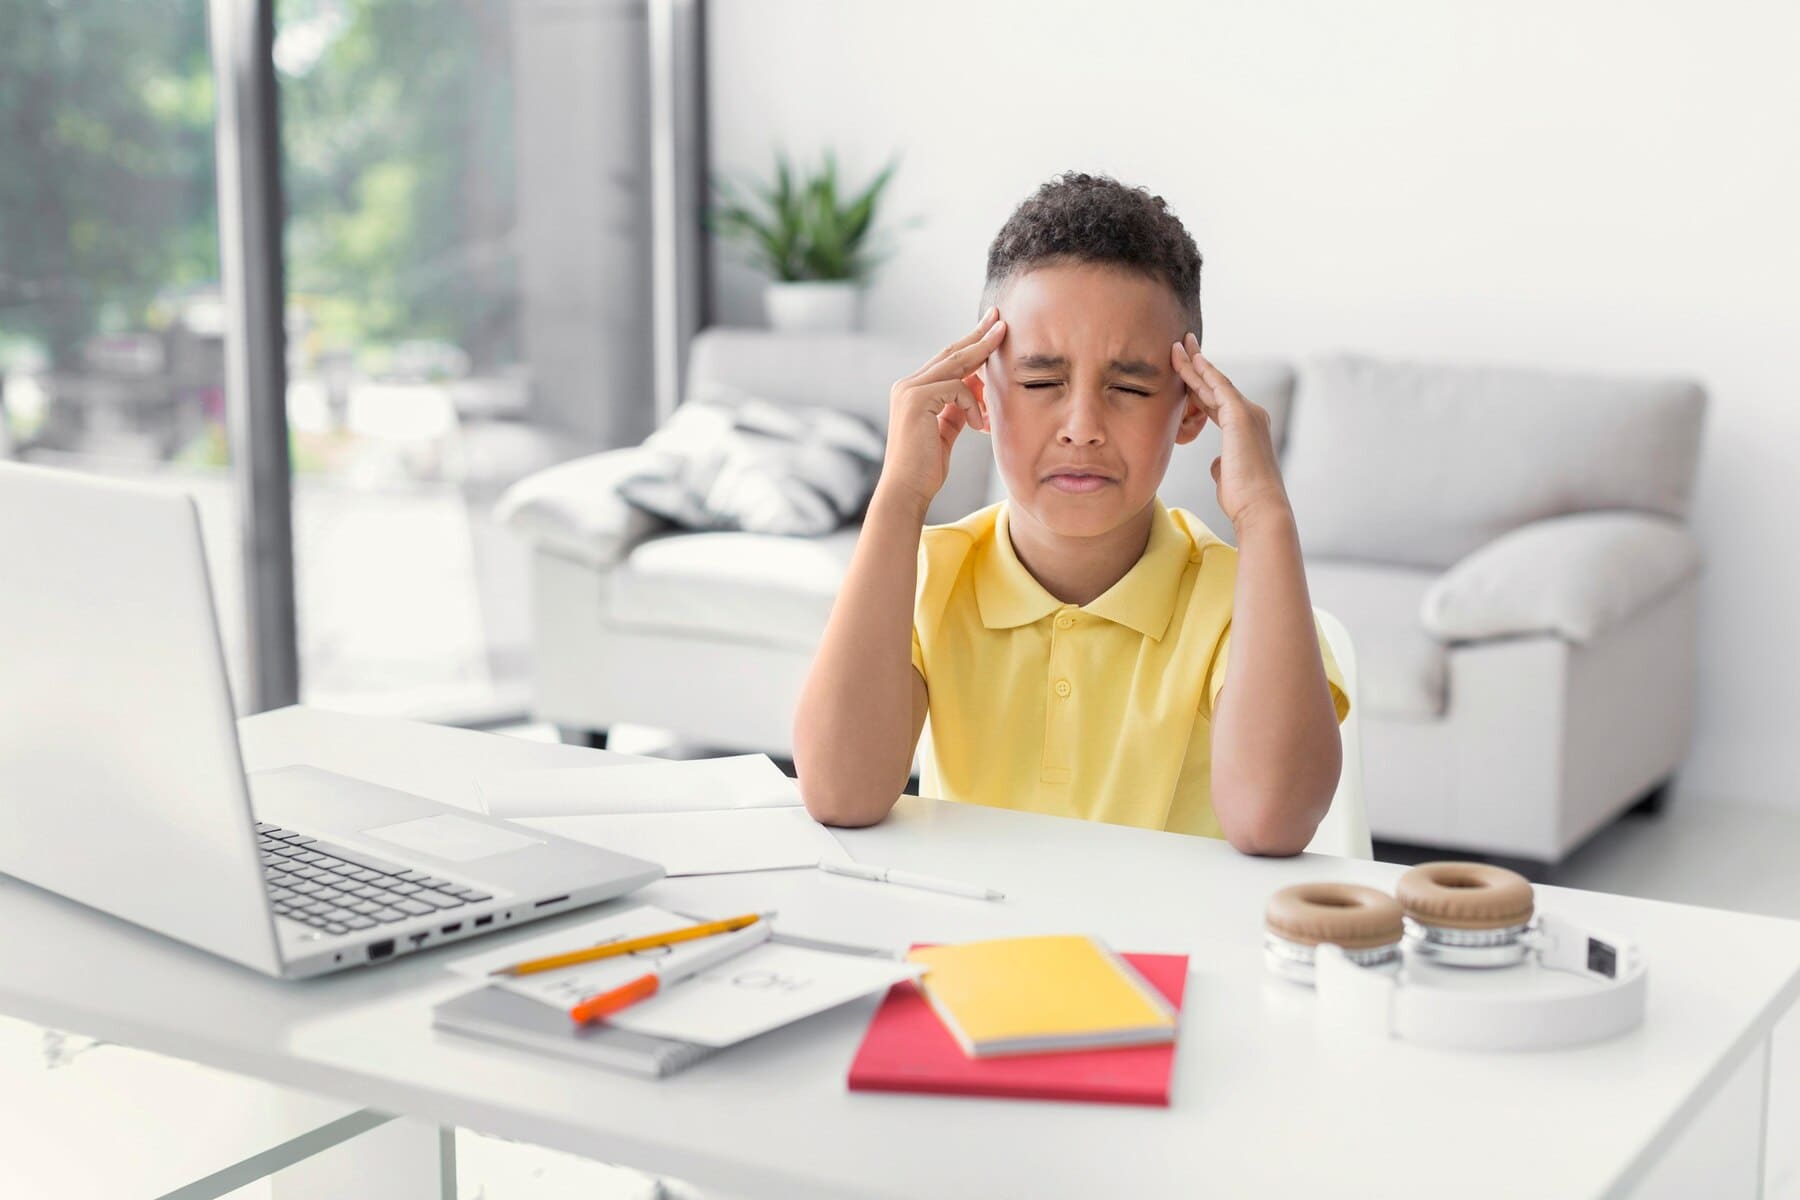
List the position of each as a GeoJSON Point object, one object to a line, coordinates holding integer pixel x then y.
{"type": "Point", "coordinates": [1143, 600]}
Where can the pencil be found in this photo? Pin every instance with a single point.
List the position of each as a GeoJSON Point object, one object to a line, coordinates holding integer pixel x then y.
{"type": "Point", "coordinates": [629, 946]}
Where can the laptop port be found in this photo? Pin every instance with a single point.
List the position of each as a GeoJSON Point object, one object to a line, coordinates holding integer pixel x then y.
{"type": "Point", "coordinates": [453, 928]}
{"type": "Point", "coordinates": [550, 901]}
{"type": "Point", "coordinates": [381, 949]}
{"type": "Point", "coordinates": [418, 939]}
{"type": "Point", "coordinates": [481, 921]}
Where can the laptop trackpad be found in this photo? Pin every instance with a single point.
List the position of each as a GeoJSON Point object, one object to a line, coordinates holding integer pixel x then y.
{"type": "Point", "coordinates": [453, 839]}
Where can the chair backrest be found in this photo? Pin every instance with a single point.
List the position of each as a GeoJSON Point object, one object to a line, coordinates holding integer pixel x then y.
{"type": "Point", "coordinates": [1345, 829]}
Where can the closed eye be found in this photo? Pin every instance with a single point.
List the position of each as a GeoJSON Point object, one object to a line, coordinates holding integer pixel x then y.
{"type": "Point", "coordinates": [1037, 384]}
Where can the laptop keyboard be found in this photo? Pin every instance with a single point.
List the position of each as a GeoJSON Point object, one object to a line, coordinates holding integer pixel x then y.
{"type": "Point", "coordinates": [343, 891]}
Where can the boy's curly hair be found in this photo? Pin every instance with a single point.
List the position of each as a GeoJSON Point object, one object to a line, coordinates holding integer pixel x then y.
{"type": "Point", "coordinates": [1083, 218]}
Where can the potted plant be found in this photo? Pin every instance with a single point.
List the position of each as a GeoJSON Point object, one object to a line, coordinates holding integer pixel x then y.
{"type": "Point", "coordinates": [814, 245]}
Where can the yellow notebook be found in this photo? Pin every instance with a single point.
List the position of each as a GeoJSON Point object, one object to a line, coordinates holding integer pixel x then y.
{"type": "Point", "coordinates": [1037, 994]}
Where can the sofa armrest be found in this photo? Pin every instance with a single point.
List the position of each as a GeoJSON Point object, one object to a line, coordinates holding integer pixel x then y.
{"type": "Point", "coordinates": [575, 508]}
{"type": "Point", "coordinates": [1572, 577]}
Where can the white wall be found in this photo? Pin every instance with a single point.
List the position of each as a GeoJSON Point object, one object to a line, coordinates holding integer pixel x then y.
{"type": "Point", "coordinates": [1565, 184]}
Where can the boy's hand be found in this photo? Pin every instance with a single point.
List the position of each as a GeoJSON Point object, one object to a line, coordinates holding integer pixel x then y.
{"type": "Point", "coordinates": [1247, 471]}
{"type": "Point", "coordinates": [930, 407]}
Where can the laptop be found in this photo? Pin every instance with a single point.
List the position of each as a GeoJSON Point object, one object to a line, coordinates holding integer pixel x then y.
{"type": "Point", "coordinates": [122, 787]}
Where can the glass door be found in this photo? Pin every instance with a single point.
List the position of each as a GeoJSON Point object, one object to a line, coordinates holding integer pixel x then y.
{"type": "Point", "coordinates": [112, 324]}
{"type": "Point", "coordinates": [467, 271]}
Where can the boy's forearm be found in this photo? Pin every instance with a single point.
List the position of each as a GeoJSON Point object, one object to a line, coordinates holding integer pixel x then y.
{"type": "Point", "coordinates": [853, 727]}
{"type": "Point", "coordinates": [1275, 742]}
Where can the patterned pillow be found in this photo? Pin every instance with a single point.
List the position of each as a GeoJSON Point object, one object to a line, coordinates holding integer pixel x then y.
{"type": "Point", "coordinates": [729, 460]}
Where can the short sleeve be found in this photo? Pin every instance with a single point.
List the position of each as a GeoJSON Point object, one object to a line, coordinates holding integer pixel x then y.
{"type": "Point", "coordinates": [1215, 671]}
{"type": "Point", "coordinates": [943, 553]}
{"type": "Point", "coordinates": [1334, 676]}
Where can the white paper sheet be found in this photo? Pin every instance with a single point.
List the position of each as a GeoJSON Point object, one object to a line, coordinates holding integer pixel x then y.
{"type": "Point", "coordinates": [705, 843]}
{"type": "Point", "coordinates": [692, 785]}
{"type": "Point", "coordinates": [760, 990]}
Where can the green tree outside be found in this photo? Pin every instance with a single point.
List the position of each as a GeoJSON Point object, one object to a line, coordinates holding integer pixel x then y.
{"type": "Point", "coordinates": [398, 173]}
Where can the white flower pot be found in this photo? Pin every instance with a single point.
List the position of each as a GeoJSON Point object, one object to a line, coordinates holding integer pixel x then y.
{"type": "Point", "coordinates": [813, 306]}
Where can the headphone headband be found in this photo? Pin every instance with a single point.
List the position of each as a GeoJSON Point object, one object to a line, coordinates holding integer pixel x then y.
{"type": "Point", "coordinates": [1354, 998]}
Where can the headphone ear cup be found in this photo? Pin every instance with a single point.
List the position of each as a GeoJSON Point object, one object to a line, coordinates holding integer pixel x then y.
{"type": "Point", "coordinates": [1464, 895]}
{"type": "Point", "coordinates": [1345, 914]}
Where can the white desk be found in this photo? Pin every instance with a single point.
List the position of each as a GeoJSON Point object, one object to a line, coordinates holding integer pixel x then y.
{"type": "Point", "coordinates": [1262, 1106]}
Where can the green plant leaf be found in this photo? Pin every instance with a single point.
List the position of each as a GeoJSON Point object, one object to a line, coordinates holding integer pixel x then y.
{"type": "Point", "coordinates": [796, 227]}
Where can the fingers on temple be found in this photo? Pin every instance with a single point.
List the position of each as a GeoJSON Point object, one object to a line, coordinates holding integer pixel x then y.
{"type": "Point", "coordinates": [1191, 375]}
{"type": "Point", "coordinates": [1209, 372]}
{"type": "Point", "coordinates": [962, 357]}
{"type": "Point", "coordinates": [966, 340]}
{"type": "Point", "coordinates": [1215, 390]}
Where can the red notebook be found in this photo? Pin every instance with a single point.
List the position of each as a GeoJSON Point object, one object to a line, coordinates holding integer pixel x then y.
{"type": "Point", "coordinates": [907, 1049]}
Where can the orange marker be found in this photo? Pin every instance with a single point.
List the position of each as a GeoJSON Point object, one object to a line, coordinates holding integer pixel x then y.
{"type": "Point", "coordinates": [607, 1003]}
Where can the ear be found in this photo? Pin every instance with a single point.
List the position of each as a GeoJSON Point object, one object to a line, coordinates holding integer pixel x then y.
{"type": "Point", "coordinates": [973, 381]}
{"type": "Point", "coordinates": [1193, 417]}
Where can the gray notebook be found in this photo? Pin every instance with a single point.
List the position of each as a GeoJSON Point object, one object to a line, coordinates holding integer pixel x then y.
{"type": "Point", "coordinates": [494, 1014]}
{"type": "Point", "coordinates": [497, 1015]}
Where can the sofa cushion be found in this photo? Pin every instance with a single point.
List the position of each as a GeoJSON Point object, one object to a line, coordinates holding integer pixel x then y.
{"type": "Point", "coordinates": [850, 371]}
{"type": "Point", "coordinates": [1420, 465]}
{"type": "Point", "coordinates": [1400, 668]}
{"type": "Point", "coordinates": [1572, 577]}
{"type": "Point", "coordinates": [734, 461]}
{"type": "Point", "coordinates": [575, 508]}
{"type": "Point", "coordinates": [740, 587]}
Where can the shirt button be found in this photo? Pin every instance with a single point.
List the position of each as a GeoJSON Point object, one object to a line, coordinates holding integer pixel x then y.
{"type": "Point", "coordinates": [1065, 622]}
{"type": "Point", "coordinates": [1062, 688]}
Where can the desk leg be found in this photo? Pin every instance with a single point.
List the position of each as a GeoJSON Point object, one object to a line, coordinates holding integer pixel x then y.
{"type": "Point", "coordinates": [405, 1159]}
{"type": "Point", "coordinates": [446, 1162]}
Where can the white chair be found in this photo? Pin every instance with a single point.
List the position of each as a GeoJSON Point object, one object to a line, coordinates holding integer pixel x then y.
{"type": "Point", "coordinates": [1345, 829]}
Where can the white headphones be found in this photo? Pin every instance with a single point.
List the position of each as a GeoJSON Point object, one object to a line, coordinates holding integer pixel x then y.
{"type": "Point", "coordinates": [1405, 968]}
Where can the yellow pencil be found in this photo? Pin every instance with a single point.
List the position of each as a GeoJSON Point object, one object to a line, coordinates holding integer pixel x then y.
{"type": "Point", "coordinates": [629, 946]}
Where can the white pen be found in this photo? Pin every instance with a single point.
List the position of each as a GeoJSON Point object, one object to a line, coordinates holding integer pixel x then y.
{"type": "Point", "coordinates": [908, 879]}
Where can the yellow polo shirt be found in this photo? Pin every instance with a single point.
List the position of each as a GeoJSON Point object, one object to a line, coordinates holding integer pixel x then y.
{"type": "Point", "coordinates": [1101, 711]}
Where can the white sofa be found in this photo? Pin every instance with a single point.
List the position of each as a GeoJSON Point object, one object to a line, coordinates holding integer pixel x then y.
{"type": "Point", "coordinates": [1507, 549]}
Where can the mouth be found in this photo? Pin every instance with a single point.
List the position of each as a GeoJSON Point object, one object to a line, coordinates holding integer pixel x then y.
{"type": "Point", "coordinates": [1078, 481]}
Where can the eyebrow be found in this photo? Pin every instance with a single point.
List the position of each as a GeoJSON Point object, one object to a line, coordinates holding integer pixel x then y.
{"type": "Point", "coordinates": [1135, 367]}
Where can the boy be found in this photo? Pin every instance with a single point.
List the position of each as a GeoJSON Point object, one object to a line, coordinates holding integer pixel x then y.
{"type": "Point", "coordinates": [1081, 649]}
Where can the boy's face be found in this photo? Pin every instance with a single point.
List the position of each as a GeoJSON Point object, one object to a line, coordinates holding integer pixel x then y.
{"type": "Point", "coordinates": [1083, 403]}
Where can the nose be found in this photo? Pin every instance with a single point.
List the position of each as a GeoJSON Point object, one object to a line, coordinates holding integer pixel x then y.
{"type": "Point", "coordinates": [1082, 423]}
